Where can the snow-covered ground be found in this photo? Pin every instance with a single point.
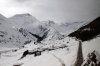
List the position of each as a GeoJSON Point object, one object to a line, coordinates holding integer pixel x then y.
{"type": "Point", "coordinates": [62, 56]}
{"type": "Point", "coordinates": [58, 57]}
{"type": "Point", "coordinates": [90, 46]}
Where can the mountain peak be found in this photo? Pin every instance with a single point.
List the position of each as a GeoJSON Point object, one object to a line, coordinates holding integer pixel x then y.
{"type": "Point", "coordinates": [1, 16]}
{"type": "Point", "coordinates": [22, 15]}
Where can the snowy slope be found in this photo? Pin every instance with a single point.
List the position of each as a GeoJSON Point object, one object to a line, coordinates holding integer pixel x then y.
{"type": "Point", "coordinates": [34, 26]}
{"type": "Point", "coordinates": [24, 19]}
{"type": "Point", "coordinates": [88, 31]}
{"type": "Point", "coordinates": [65, 56]}
{"type": "Point", "coordinates": [50, 28]}
{"type": "Point", "coordinates": [11, 35]}
{"type": "Point", "coordinates": [71, 27]}
{"type": "Point", "coordinates": [89, 46]}
{"type": "Point", "coordinates": [20, 25]}
{"type": "Point", "coordinates": [27, 21]}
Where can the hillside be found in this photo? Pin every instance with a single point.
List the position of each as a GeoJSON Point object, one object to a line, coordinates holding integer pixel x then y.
{"type": "Point", "coordinates": [87, 32]}
{"type": "Point", "coordinates": [11, 35]}
{"type": "Point", "coordinates": [45, 30]}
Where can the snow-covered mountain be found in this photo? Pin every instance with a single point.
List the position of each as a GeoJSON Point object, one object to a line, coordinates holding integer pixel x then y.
{"type": "Point", "coordinates": [11, 35]}
{"type": "Point", "coordinates": [23, 37]}
{"type": "Point", "coordinates": [29, 23]}
{"type": "Point", "coordinates": [71, 27]}
{"type": "Point", "coordinates": [49, 29]}
{"type": "Point", "coordinates": [24, 20]}
{"type": "Point", "coordinates": [24, 28]}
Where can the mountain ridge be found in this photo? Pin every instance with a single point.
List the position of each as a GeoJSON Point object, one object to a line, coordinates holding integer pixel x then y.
{"type": "Point", "coordinates": [87, 32]}
{"type": "Point", "coordinates": [47, 30]}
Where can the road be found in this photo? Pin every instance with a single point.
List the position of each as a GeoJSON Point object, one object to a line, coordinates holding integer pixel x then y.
{"type": "Point", "coordinates": [79, 59]}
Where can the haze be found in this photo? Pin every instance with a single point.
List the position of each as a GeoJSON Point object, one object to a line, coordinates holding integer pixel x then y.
{"type": "Point", "coordinates": [56, 10]}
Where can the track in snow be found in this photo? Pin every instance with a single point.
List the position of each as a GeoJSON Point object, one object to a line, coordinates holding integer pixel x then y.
{"type": "Point", "coordinates": [62, 63]}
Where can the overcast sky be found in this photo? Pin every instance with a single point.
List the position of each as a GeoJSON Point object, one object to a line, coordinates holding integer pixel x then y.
{"type": "Point", "coordinates": [56, 10]}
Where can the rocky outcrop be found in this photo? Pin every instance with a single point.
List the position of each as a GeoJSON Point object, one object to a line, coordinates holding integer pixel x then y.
{"type": "Point", "coordinates": [91, 60]}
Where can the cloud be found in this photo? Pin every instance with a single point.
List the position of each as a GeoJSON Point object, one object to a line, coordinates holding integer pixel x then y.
{"type": "Point", "coordinates": [21, 0]}
{"type": "Point", "coordinates": [57, 10]}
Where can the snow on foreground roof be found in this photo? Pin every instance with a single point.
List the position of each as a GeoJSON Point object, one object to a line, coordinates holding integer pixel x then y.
{"type": "Point", "coordinates": [56, 57]}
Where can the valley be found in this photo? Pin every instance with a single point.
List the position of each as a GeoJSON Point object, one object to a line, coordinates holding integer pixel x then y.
{"type": "Point", "coordinates": [26, 41]}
